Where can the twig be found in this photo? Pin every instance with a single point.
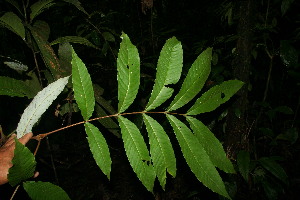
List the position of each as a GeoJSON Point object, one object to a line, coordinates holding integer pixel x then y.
{"type": "Point", "coordinates": [52, 161]}
{"type": "Point", "coordinates": [15, 191]}
{"type": "Point", "coordinates": [151, 29]}
{"type": "Point", "coordinates": [296, 112]}
{"type": "Point", "coordinates": [43, 135]}
{"type": "Point", "coordinates": [269, 76]}
{"type": "Point", "coordinates": [267, 13]}
{"type": "Point", "coordinates": [37, 67]}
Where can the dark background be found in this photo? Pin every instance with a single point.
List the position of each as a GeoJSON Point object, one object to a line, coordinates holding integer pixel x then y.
{"type": "Point", "coordinates": [253, 41]}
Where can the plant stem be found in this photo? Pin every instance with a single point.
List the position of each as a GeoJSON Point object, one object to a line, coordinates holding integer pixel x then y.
{"type": "Point", "coordinates": [269, 76]}
{"type": "Point", "coordinates": [15, 191]}
{"type": "Point", "coordinates": [41, 136]}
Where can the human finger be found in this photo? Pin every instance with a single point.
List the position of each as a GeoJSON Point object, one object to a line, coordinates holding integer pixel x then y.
{"type": "Point", "coordinates": [10, 141]}
{"type": "Point", "coordinates": [25, 138]}
{"type": "Point", "coordinates": [36, 174]}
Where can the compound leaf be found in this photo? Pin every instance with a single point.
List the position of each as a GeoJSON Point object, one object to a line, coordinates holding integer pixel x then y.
{"type": "Point", "coordinates": [215, 96]}
{"type": "Point", "coordinates": [44, 190]}
{"type": "Point", "coordinates": [169, 69]}
{"type": "Point", "coordinates": [194, 80]}
{"type": "Point", "coordinates": [211, 145]}
{"type": "Point", "coordinates": [39, 105]}
{"type": "Point", "coordinates": [83, 87]}
{"type": "Point", "coordinates": [197, 158]}
{"type": "Point", "coordinates": [137, 153]}
{"type": "Point", "coordinates": [128, 65]}
{"type": "Point", "coordinates": [23, 164]}
{"type": "Point", "coordinates": [161, 150]}
{"type": "Point", "coordinates": [99, 148]}
{"type": "Point", "coordinates": [11, 21]}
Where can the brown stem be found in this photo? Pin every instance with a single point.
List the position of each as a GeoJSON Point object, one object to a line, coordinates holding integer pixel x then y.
{"type": "Point", "coordinates": [268, 78]}
{"type": "Point", "coordinates": [151, 29]}
{"type": "Point", "coordinates": [37, 67]}
{"type": "Point", "coordinates": [38, 146]}
{"type": "Point", "coordinates": [52, 160]}
{"type": "Point", "coordinates": [15, 191]}
{"type": "Point", "coordinates": [267, 13]}
{"type": "Point", "coordinates": [41, 136]}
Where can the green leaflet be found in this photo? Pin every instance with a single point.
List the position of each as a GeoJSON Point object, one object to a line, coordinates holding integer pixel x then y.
{"type": "Point", "coordinates": [38, 7]}
{"type": "Point", "coordinates": [215, 96]}
{"type": "Point", "coordinates": [274, 168]}
{"type": "Point", "coordinates": [211, 145]}
{"type": "Point", "coordinates": [82, 86]}
{"type": "Point", "coordinates": [243, 163]}
{"type": "Point", "coordinates": [39, 105]}
{"type": "Point", "coordinates": [15, 88]}
{"type": "Point", "coordinates": [161, 150]}
{"type": "Point", "coordinates": [44, 190]}
{"type": "Point", "coordinates": [137, 153]}
{"type": "Point", "coordinates": [11, 21]}
{"type": "Point", "coordinates": [194, 80]}
{"type": "Point", "coordinates": [99, 148]}
{"type": "Point", "coordinates": [197, 158]}
{"type": "Point", "coordinates": [169, 69]}
{"type": "Point", "coordinates": [128, 65]}
{"type": "Point", "coordinates": [23, 164]}
{"type": "Point", "coordinates": [73, 39]}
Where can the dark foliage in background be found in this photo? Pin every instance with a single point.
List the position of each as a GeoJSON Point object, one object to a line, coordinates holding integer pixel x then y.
{"type": "Point", "coordinates": [254, 41]}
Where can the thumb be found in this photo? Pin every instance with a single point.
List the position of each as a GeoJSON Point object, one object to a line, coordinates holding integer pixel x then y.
{"type": "Point", "coordinates": [25, 138]}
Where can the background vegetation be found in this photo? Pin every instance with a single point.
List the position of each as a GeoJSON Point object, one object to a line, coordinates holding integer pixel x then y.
{"type": "Point", "coordinates": [253, 41]}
